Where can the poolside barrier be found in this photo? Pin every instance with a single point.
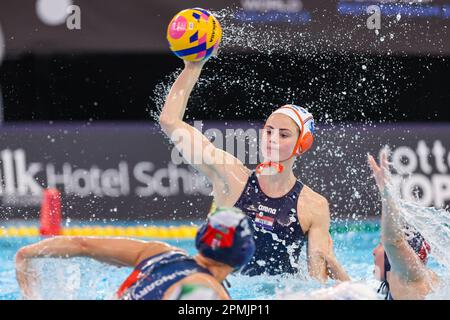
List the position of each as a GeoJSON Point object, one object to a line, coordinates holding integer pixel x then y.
{"type": "Point", "coordinates": [50, 215]}
{"type": "Point", "coordinates": [173, 232]}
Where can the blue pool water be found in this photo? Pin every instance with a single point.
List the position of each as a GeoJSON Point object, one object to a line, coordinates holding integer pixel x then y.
{"type": "Point", "coordinates": [81, 278]}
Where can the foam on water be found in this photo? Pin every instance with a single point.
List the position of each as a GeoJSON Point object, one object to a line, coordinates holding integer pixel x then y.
{"type": "Point", "coordinates": [434, 225]}
{"type": "Point", "coordinates": [81, 278]}
{"type": "Point", "coordinates": [76, 279]}
{"type": "Point", "coordinates": [342, 291]}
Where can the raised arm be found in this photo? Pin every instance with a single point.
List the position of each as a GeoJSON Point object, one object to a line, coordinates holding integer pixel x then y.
{"type": "Point", "coordinates": [218, 165]}
{"type": "Point", "coordinates": [404, 261]}
{"type": "Point", "coordinates": [191, 143]}
{"type": "Point", "coordinates": [176, 101]}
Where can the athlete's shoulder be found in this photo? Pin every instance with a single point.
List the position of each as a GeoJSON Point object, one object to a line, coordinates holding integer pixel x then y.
{"type": "Point", "coordinates": [314, 208]}
{"type": "Point", "coordinates": [312, 198]}
{"type": "Point", "coordinates": [155, 248]}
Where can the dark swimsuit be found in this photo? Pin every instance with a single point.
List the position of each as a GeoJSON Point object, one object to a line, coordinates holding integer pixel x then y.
{"type": "Point", "coordinates": [154, 275]}
{"type": "Point", "coordinates": [279, 237]}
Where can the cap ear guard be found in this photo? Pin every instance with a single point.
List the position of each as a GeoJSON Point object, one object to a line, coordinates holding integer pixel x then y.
{"type": "Point", "coordinates": [306, 143]}
{"type": "Point", "coordinates": [305, 124]}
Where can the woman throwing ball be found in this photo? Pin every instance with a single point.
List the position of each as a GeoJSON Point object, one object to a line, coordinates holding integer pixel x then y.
{"type": "Point", "coordinates": [285, 213]}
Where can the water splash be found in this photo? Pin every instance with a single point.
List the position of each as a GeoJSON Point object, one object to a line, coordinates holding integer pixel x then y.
{"type": "Point", "coordinates": [76, 279]}
{"type": "Point", "coordinates": [361, 87]}
{"type": "Point", "coordinates": [285, 47]}
{"type": "Point", "coordinates": [361, 290]}
{"type": "Point", "coordinates": [434, 225]}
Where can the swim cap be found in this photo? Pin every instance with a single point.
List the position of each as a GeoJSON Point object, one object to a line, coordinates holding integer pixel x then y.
{"type": "Point", "coordinates": [417, 242]}
{"type": "Point", "coordinates": [192, 291]}
{"type": "Point", "coordinates": [226, 237]}
{"type": "Point", "coordinates": [305, 123]}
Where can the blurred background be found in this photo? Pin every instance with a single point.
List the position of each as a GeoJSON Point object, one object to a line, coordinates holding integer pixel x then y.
{"type": "Point", "coordinates": [82, 82]}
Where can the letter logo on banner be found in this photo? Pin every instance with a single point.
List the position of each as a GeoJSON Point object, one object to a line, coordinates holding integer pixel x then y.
{"type": "Point", "coordinates": [374, 21]}
{"type": "Point", "coordinates": [73, 21]}
{"type": "Point", "coordinates": [26, 182]}
{"type": "Point", "coordinates": [420, 178]}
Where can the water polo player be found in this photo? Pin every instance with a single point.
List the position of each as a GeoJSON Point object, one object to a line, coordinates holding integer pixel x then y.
{"type": "Point", "coordinates": [401, 257]}
{"type": "Point", "coordinates": [285, 212]}
{"type": "Point", "coordinates": [224, 243]}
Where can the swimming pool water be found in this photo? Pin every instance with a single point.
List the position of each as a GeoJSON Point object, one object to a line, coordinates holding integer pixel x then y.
{"type": "Point", "coordinates": [82, 278]}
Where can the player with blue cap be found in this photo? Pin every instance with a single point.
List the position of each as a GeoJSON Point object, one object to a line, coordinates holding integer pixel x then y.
{"type": "Point", "coordinates": [224, 243]}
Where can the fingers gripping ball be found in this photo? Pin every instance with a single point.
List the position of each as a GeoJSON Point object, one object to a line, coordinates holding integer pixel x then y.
{"type": "Point", "coordinates": [194, 34]}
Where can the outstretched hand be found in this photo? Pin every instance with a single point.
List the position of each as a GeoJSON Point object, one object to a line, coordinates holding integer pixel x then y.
{"type": "Point", "coordinates": [381, 171]}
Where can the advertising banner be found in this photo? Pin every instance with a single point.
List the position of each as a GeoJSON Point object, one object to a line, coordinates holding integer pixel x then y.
{"type": "Point", "coordinates": [132, 172]}
{"type": "Point", "coordinates": [70, 26]}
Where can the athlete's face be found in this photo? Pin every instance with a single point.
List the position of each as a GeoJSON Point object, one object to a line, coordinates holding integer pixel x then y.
{"type": "Point", "coordinates": [378, 260]}
{"type": "Point", "coordinates": [279, 137]}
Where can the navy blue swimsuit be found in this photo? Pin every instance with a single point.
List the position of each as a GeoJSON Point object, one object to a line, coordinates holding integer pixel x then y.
{"type": "Point", "coordinates": [154, 275]}
{"type": "Point", "coordinates": [279, 237]}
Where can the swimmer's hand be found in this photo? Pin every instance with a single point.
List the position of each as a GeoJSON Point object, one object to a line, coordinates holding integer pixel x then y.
{"type": "Point", "coordinates": [26, 278]}
{"type": "Point", "coordinates": [381, 171]}
{"type": "Point", "coordinates": [193, 65]}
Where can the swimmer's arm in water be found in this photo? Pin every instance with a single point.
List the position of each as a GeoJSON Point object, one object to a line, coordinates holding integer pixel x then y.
{"type": "Point", "coordinates": [116, 251]}
{"type": "Point", "coordinates": [318, 235]}
{"type": "Point", "coordinates": [219, 166]}
{"type": "Point", "coordinates": [122, 252]}
{"type": "Point", "coordinates": [404, 261]}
